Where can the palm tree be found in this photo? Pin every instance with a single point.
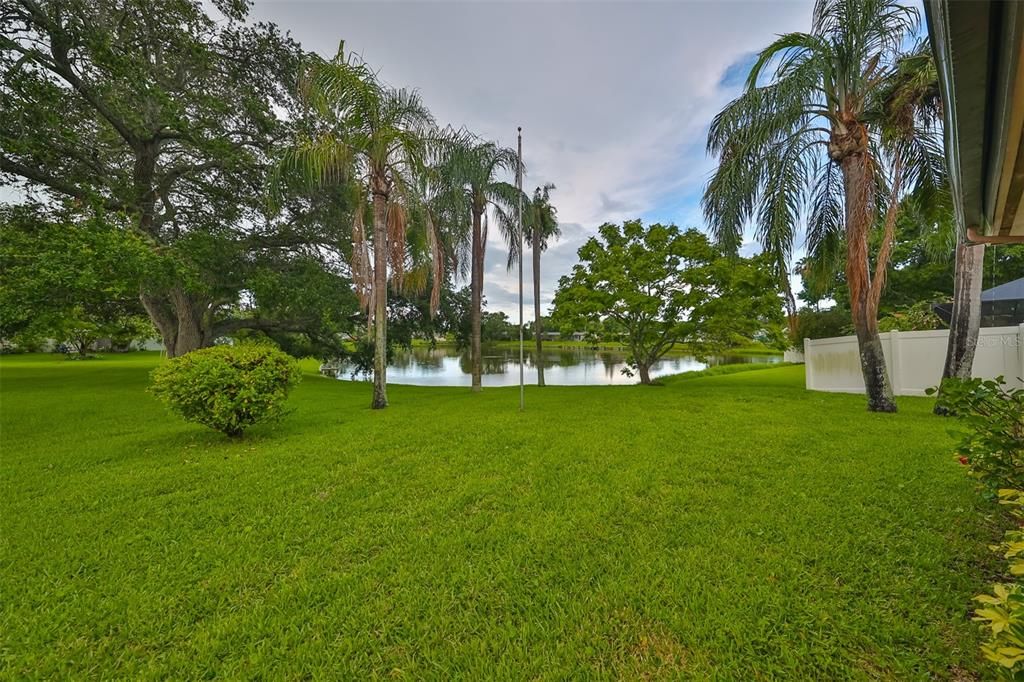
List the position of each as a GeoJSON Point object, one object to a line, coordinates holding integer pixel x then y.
{"type": "Point", "coordinates": [440, 215]}
{"type": "Point", "coordinates": [376, 136]}
{"type": "Point", "coordinates": [540, 224]}
{"type": "Point", "coordinates": [476, 166]}
{"type": "Point", "coordinates": [809, 93]}
{"type": "Point", "coordinates": [912, 102]}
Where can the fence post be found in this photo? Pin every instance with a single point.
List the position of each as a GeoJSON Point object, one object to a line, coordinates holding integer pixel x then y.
{"type": "Point", "coordinates": [894, 363]}
{"type": "Point", "coordinates": [808, 378]}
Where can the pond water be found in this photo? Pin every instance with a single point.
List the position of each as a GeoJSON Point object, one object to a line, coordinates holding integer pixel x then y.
{"type": "Point", "coordinates": [446, 366]}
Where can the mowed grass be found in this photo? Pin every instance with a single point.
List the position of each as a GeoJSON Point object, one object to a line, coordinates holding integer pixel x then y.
{"type": "Point", "coordinates": [725, 527]}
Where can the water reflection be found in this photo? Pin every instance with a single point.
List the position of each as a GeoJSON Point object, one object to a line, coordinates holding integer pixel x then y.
{"type": "Point", "coordinates": [445, 366]}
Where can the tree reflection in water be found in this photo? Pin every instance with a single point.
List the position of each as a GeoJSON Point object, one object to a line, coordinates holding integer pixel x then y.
{"type": "Point", "coordinates": [446, 366]}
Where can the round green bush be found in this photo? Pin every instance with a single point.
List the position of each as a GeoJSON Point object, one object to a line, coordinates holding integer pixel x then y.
{"type": "Point", "coordinates": [227, 388]}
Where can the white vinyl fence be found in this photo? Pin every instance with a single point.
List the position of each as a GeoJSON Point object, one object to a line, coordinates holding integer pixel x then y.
{"type": "Point", "coordinates": [793, 355]}
{"type": "Point", "coordinates": [914, 360]}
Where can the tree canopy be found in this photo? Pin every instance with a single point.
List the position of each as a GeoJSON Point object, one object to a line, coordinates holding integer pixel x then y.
{"type": "Point", "coordinates": [664, 286]}
{"type": "Point", "coordinates": [165, 120]}
{"type": "Point", "coordinates": [68, 279]}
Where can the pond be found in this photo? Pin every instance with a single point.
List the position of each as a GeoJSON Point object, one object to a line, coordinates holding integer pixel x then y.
{"type": "Point", "coordinates": [446, 366]}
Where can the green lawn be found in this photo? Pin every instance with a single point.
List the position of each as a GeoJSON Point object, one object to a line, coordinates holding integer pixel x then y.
{"type": "Point", "coordinates": [729, 527]}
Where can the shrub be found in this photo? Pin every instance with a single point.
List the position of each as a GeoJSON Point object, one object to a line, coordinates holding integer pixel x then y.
{"type": "Point", "coordinates": [821, 324]}
{"type": "Point", "coordinates": [992, 442]}
{"type": "Point", "coordinates": [917, 317]}
{"type": "Point", "coordinates": [227, 388]}
{"type": "Point", "coordinates": [992, 445]}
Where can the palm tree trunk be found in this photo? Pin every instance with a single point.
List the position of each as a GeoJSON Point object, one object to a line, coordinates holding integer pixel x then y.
{"type": "Point", "coordinates": [858, 186]}
{"type": "Point", "coordinates": [965, 322]}
{"type": "Point", "coordinates": [538, 329]}
{"type": "Point", "coordinates": [476, 289]}
{"type": "Point", "coordinates": [380, 301]}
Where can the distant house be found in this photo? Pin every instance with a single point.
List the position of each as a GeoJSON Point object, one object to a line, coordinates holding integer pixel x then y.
{"type": "Point", "coordinates": [1001, 306]}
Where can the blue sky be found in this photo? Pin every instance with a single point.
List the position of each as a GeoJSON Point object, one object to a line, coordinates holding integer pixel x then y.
{"type": "Point", "coordinates": [614, 97]}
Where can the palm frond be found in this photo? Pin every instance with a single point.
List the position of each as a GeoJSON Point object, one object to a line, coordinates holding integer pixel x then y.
{"type": "Point", "coordinates": [826, 222]}
{"type": "Point", "coordinates": [541, 216]}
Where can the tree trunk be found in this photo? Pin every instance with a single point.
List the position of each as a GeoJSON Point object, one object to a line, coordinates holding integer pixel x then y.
{"type": "Point", "coordinates": [192, 332]}
{"type": "Point", "coordinates": [380, 301]}
{"type": "Point", "coordinates": [645, 373]}
{"type": "Point", "coordinates": [476, 288]}
{"type": "Point", "coordinates": [858, 186]}
{"type": "Point", "coordinates": [180, 320]}
{"type": "Point", "coordinates": [538, 328]}
{"type": "Point", "coordinates": [965, 322]}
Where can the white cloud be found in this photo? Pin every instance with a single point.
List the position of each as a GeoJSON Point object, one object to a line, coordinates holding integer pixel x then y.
{"type": "Point", "coordinates": [614, 97]}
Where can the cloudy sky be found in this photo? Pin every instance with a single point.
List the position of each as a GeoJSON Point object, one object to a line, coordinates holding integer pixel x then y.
{"type": "Point", "coordinates": [614, 97]}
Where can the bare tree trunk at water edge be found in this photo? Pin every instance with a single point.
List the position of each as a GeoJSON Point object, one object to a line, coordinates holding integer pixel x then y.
{"type": "Point", "coordinates": [858, 184]}
{"type": "Point", "coordinates": [538, 329]}
{"type": "Point", "coordinates": [380, 301]}
{"type": "Point", "coordinates": [476, 287]}
{"type": "Point", "coordinates": [965, 322]}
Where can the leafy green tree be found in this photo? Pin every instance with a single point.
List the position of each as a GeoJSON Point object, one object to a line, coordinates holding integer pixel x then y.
{"type": "Point", "coordinates": [165, 118]}
{"type": "Point", "coordinates": [497, 327]}
{"type": "Point", "coordinates": [917, 317]}
{"type": "Point", "coordinates": [923, 268]}
{"type": "Point", "coordinates": [72, 281]}
{"type": "Point", "coordinates": [811, 129]}
{"type": "Point", "coordinates": [821, 324]}
{"type": "Point", "coordinates": [376, 136]}
{"type": "Point", "coordinates": [476, 167]}
{"type": "Point", "coordinates": [81, 327]}
{"type": "Point", "coordinates": [412, 316]}
{"type": "Point", "coordinates": [461, 314]}
{"type": "Point", "coordinates": [538, 325]}
{"type": "Point", "coordinates": [494, 326]}
{"type": "Point", "coordinates": [665, 287]}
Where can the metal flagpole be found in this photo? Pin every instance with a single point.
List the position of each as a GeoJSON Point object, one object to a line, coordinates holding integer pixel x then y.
{"type": "Point", "coordinates": [519, 219]}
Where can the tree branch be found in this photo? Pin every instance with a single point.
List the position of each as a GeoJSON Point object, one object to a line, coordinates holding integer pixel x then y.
{"type": "Point", "coordinates": [9, 165]}
{"type": "Point", "coordinates": [61, 65]}
{"type": "Point", "coordinates": [258, 324]}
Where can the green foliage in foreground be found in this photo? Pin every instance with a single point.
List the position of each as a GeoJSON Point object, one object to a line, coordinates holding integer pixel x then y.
{"type": "Point", "coordinates": [991, 417]}
{"type": "Point", "coordinates": [1002, 612]}
{"type": "Point", "coordinates": [729, 527]}
{"type": "Point", "coordinates": [992, 445]}
{"type": "Point", "coordinates": [228, 388]}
